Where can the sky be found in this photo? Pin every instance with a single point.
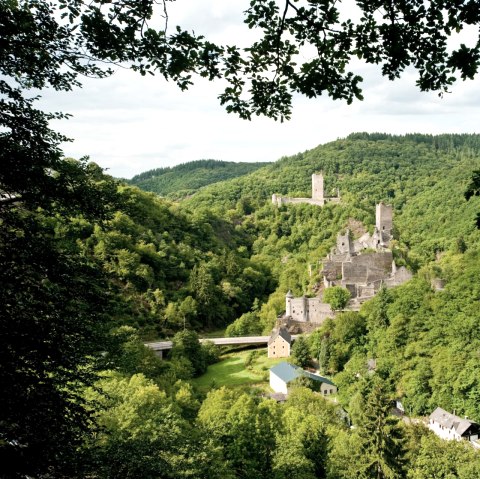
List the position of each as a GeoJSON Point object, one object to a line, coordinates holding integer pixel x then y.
{"type": "Point", "coordinates": [129, 124]}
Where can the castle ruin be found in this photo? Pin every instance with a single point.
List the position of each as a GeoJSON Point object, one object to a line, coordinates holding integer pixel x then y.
{"type": "Point", "coordinates": [318, 197]}
{"type": "Point", "coordinates": [362, 266]}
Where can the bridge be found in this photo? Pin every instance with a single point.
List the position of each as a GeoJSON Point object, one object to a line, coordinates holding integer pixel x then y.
{"type": "Point", "coordinates": [161, 346]}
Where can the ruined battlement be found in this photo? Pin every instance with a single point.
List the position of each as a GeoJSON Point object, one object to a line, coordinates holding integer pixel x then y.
{"type": "Point", "coordinates": [348, 265]}
{"type": "Point", "coordinates": [318, 197]}
{"type": "Point", "coordinates": [305, 309]}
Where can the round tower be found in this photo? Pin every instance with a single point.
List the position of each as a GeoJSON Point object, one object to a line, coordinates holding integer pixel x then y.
{"type": "Point", "coordinates": [288, 303]}
{"type": "Point", "coordinates": [305, 308]}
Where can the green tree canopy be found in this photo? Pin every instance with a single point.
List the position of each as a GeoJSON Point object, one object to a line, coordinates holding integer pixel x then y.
{"type": "Point", "coordinates": [262, 77]}
{"type": "Point", "coordinates": [381, 439]}
{"type": "Point", "coordinates": [140, 432]}
{"type": "Point", "coordinates": [187, 346]}
{"type": "Point", "coordinates": [337, 297]}
{"type": "Point", "coordinates": [301, 352]}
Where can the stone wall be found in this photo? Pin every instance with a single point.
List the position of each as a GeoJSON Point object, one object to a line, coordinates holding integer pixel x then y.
{"type": "Point", "coordinates": [344, 243]}
{"type": "Point", "coordinates": [318, 312]}
{"type": "Point", "coordinates": [317, 198]}
{"type": "Point", "coordinates": [309, 310]}
{"type": "Point", "coordinates": [366, 268]}
{"type": "Point", "coordinates": [332, 270]}
{"type": "Point", "coordinates": [285, 200]}
{"type": "Point", "coordinates": [299, 308]}
{"type": "Point", "coordinates": [296, 327]}
{"type": "Point", "coordinates": [400, 276]}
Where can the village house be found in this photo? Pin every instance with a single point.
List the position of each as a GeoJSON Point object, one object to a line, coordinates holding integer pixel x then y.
{"type": "Point", "coordinates": [451, 427]}
{"type": "Point", "coordinates": [284, 373]}
{"type": "Point", "coordinates": [279, 344]}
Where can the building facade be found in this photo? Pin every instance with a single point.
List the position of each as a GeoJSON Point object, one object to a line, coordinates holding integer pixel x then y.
{"type": "Point", "coordinates": [284, 373]}
{"type": "Point", "coordinates": [450, 427]}
{"type": "Point", "coordinates": [279, 344]}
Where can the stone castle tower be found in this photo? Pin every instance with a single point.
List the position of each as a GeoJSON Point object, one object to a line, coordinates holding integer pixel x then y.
{"type": "Point", "coordinates": [345, 243]}
{"type": "Point", "coordinates": [317, 187]}
{"type": "Point", "coordinates": [318, 196]}
{"type": "Point", "coordinates": [384, 222]}
{"type": "Point", "coordinates": [288, 303]}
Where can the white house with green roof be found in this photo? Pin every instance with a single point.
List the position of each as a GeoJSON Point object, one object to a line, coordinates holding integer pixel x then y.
{"type": "Point", "coordinates": [284, 373]}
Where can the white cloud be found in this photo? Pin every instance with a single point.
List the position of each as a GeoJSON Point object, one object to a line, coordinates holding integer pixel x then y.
{"type": "Point", "coordinates": [130, 124]}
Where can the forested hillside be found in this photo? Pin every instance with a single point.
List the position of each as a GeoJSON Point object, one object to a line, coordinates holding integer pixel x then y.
{"type": "Point", "coordinates": [424, 177]}
{"type": "Point", "coordinates": [185, 179]}
{"type": "Point", "coordinates": [83, 288]}
{"type": "Point", "coordinates": [170, 269]}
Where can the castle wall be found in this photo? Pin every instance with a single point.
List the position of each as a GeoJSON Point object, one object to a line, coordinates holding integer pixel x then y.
{"type": "Point", "coordinates": [381, 260]}
{"type": "Point", "coordinates": [376, 274]}
{"type": "Point", "coordinates": [344, 243]}
{"type": "Point", "coordinates": [332, 270]}
{"type": "Point", "coordinates": [338, 258]}
{"type": "Point", "coordinates": [318, 312]}
{"type": "Point", "coordinates": [317, 198]}
{"type": "Point", "coordinates": [367, 268]}
{"type": "Point", "coordinates": [352, 289]}
{"type": "Point", "coordinates": [401, 276]}
{"type": "Point", "coordinates": [354, 273]}
{"type": "Point", "coordinates": [366, 291]}
{"type": "Point", "coordinates": [285, 200]}
{"type": "Point", "coordinates": [299, 309]}
{"type": "Point", "coordinates": [309, 310]}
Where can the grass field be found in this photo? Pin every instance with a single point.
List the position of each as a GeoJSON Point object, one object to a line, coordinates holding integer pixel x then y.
{"type": "Point", "coordinates": [231, 371]}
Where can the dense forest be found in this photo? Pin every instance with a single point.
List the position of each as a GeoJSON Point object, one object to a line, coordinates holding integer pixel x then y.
{"type": "Point", "coordinates": [185, 179]}
{"type": "Point", "coordinates": [91, 267]}
{"type": "Point", "coordinates": [83, 291]}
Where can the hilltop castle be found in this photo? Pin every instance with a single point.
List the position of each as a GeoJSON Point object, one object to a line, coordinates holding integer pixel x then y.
{"type": "Point", "coordinates": [361, 266]}
{"type": "Point", "coordinates": [318, 198]}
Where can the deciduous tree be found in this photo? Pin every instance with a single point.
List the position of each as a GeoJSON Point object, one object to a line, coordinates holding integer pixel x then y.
{"type": "Point", "coordinates": [337, 297]}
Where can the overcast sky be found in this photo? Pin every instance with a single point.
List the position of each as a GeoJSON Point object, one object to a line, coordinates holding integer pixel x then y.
{"type": "Point", "coordinates": [129, 124]}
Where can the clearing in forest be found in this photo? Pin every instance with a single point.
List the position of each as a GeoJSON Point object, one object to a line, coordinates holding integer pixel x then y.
{"type": "Point", "coordinates": [238, 369]}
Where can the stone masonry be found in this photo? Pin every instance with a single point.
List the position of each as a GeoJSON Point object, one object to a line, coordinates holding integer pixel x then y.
{"type": "Point", "coordinates": [318, 198]}
{"type": "Point", "coordinates": [361, 266]}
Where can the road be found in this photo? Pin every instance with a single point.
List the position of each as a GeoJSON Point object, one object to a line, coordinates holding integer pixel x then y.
{"type": "Point", "coordinates": [166, 345]}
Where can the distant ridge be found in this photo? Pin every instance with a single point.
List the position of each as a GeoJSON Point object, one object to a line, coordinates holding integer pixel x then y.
{"type": "Point", "coordinates": [187, 178]}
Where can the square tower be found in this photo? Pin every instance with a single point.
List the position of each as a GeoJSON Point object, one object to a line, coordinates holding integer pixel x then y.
{"type": "Point", "coordinates": [317, 187]}
{"type": "Point", "coordinates": [384, 220]}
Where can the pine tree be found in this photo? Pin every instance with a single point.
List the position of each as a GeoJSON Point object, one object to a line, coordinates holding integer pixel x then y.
{"type": "Point", "coordinates": [300, 352]}
{"type": "Point", "coordinates": [381, 439]}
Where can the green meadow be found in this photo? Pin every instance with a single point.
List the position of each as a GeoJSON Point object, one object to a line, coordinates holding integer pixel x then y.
{"type": "Point", "coordinates": [245, 368]}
